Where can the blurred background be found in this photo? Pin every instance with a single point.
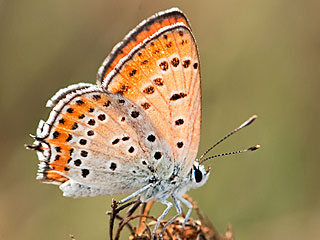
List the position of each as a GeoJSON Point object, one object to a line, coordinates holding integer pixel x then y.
{"type": "Point", "coordinates": [257, 57]}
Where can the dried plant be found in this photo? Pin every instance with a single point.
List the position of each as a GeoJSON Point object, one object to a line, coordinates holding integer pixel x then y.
{"type": "Point", "coordinates": [199, 229]}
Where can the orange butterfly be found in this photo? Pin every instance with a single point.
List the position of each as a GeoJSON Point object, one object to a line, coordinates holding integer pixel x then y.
{"type": "Point", "coordinates": [138, 129]}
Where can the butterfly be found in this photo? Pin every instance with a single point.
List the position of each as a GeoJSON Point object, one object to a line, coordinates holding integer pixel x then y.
{"type": "Point", "coordinates": [135, 131]}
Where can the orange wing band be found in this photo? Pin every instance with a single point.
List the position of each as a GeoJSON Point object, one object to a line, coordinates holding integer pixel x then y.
{"type": "Point", "coordinates": [143, 31]}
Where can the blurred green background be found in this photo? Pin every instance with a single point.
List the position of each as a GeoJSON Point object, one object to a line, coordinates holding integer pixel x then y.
{"type": "Point", "coordinates": [257, 57]}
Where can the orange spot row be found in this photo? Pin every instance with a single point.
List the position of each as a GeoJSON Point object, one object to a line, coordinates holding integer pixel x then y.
{"type": "Point", "coordinates": [56, 177]}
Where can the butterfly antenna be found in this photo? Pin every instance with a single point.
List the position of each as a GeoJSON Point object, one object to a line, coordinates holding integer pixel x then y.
{"type": "Point", "coordinates": [250, 149]}
{"type": "Point", "coordinates": [246, 123]}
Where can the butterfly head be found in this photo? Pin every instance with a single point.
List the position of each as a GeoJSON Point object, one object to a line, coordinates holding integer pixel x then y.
{"type": "Point", "coordinates": [199, 175]}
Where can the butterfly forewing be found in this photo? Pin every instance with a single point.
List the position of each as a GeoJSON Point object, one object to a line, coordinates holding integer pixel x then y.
{"type": "Point", "coordinates": [162, 76]}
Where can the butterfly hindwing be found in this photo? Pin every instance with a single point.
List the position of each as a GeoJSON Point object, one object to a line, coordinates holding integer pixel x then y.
{"type": "Point", "coordinates": [101, 141]}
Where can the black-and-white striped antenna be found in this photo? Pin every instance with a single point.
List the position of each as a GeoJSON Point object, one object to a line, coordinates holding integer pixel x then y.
{"type": "Point", "coordinates": [246, 123]}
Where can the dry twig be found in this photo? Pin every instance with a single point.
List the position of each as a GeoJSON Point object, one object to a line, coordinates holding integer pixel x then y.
{"type": "Point", "coordinates": [198, 229]}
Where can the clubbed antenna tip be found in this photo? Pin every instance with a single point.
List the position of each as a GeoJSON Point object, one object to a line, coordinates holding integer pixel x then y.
{"type": "Point", "coordinates": [255, 147]}
{"type": "Point", "coordinates": [248, 122]}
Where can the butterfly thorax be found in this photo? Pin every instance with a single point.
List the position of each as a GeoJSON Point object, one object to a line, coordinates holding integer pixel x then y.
{"type": "Point", "coordinates": [177, 184]}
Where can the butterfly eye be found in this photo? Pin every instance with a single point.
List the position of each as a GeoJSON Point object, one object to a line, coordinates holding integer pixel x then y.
{"type": "Point", "coordinates": [197, 175]}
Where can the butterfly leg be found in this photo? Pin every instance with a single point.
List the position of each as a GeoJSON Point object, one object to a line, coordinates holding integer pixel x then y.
{"type": "Point", "coordinates": [169, 206]}
{"type": "Point", "coordinates": [190, 207]}
{"type": "Point", "coordinates": [141, 190]}
{"type": "Point", "coordinates": [179, 211]}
